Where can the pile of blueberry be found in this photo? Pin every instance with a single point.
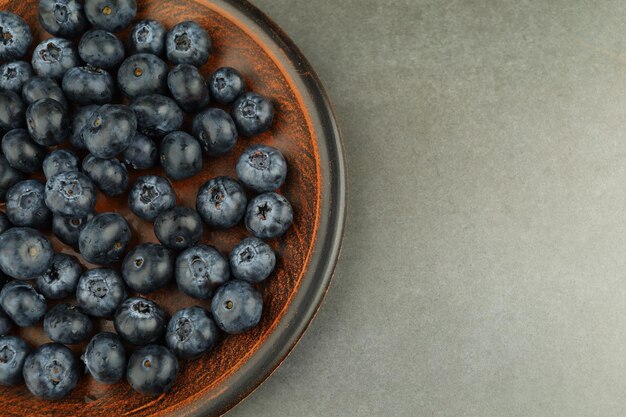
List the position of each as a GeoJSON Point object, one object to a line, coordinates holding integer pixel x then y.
{"type": "Point", "coordinates": [65, 114]}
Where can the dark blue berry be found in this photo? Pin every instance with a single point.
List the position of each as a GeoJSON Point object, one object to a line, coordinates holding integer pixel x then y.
{"type": "Point", "coordinates": [109, 175]}
{"type": "Point", "coordinates": [148, 267]}
{"type": "Point", "coordinates": [221, 202]}
{"type": "Point", "coordinates": [80, 118]}
{"type": "Point", "coordinates": [157, 115]}
{"type": "Point", "coordinates": [37, 88]}
{"type": "Point", "coordinates": [152, 370]}
{"type": "Point", "coordinates": [188, 88]}
{"type": "Point", "coordinates": [5, 323]}
{"type": "Point", "coordinates": [178, 228]}
{"type": "Point", "coordinates": [13, 353]}
{"type": "Point", "coordinates": [216, 131]}
{"type": "Point", "coordinates": [15, 36]}
{"type": "Point", "coordinates": [191, 332]}
{"type": "Point", "coordinates": [105, 358]}
{"type": "Point", "coordinates": [59, 161]}
{"type": "Point", "coordinates": [252, 260]}
{"type": "Point", "coordinates": [53, 57]}
{"type": "Point", "coordinates": [150, 196]}
{"type": "Point", "coordinates": [236, 307]}
{"type": "Point", "coordinates": [65, 323]}
{"type": "Point", "coordinates": [12, 110]}
{"type": "Point", "coordinates": [147, 36]}
{"type": "Point", "coordinates": [67, 229]}
{"type": "Point", "coordinates": [22, 152]}
{"type": "Point", "coordinates": [24, 253]}
{"type": "Point", "coordinates": [22, 303]}
{"type": "Point", "coordinates": [5, 225]}
{"type": "Point", "coordinates": [101, 49]}
{"type": "Point", "coordinates": [142, 153]}
{"type": "Point", "coordinates": [104, 239]}
{"type": "Point", "coordinates": [63, 18]}
{"type": "Point", "coordinates": [13, 75]}
{"type": "Point", "coordinates": [181, 155]}
{"type": "Point", "coordinates": [226, 84]}
{"type": "Point", "coordinates": [140, 321]}
{"type": "Point", "coordinates": [100, 291]}
{"type": "Point", "coordinates": [26, 206]}
{"type": "Point", "coordinates": [85, 85]}
{"type": "Point", "coordinates": [262, 168]}
{"type": "Point", "coordinates": [51, 371]}
{"type": "Point", "coordinates": [269, 215]}
{"type": "Point", "coordinates": [142, 74]}
{"type": "Point", "coordinates": [70, 194]}
{"type": "Point", "coordinates": [253, 114]}
{"type": "Point", "coordinates": [188, 43]}
{"type": "Point", "coordinates": [47, 122]}
{"type": "Point", "coordinates": [61, 278]}
{"type": "Point", "coordinates": [111, 15]}
{"type": "Point", "coordinates": [9, 176]}
{"type": "Point", "coordinates": [199, 270]}
{"type": "Point", "coordinates": [110, 130]}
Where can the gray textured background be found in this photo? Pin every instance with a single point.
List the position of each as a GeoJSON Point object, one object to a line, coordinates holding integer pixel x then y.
{"type": "Point", "coordinates": [484, 264]}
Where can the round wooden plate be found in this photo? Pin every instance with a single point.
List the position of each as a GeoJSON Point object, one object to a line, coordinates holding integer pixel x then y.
{"type": "Point", "coordinates": [306, 132]}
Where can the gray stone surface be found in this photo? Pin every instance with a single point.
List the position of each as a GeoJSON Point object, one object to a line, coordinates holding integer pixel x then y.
{"type": "Point", "coordinates": [484, 264]}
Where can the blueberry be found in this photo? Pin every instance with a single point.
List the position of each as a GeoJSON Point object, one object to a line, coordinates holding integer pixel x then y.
{"type": "Point", "coordinates": [157, 115]}
{"type": "Point", "coordinates": [37, 88]}
{"type": "Point", "coordinates": [150, 196]}
{"type": "Point", "coordinates": [269, 215]}
{"type": "Point", "coordinates": [47, 122]}
{"type": "Point", "coordinates": [142, 74]}
{"type": "Point", "coordinates": [51, 371]}
{"type": "Point", "coordinates": [65, 323]}
{"type": "Point", "coordinates": [199, 270]}
{"type": "Point", "coordinates": [12, 109]}
{"type": "Point", "coordinates": [152, 370]}
{"type": "Point", "coordinates": [80, 118]}
{"type": "Point", "coordinates": [22, 152]}
{"type": "Point", "coordinates": [111, 15]}
{"type": "Point", "coordinates": [178, 228]}
{"type": "Point", "coordinates": [13, 353]}
{"type": "Point", "coordinates": [226, 84]}
{"type": "Point", "coordinates": [188, 43]}
{"type": "Point", "coordinates": [22, 303]}
{"type": "Point", "coordinates": [148, 267]}
{"type": "Point", "coordinates": [63, 18]}
{"type": "Point", "coordinates": [188, 88]}
{"type": "Point", "coordinates": [142, 153]}
{"type": "Point", "coordinates": [105, 358]}
{"type": "Point", "coordinates": [262, 168]}
{"type": "Point", "coordinates": [5, 225]}
{"type": "Point", "coordinates": [147, 36]}
{"type": "Point", "coordinates": [221, 202]}
{"type": "Point", "coordinates": [140, 321]}
{"type": "Point", "coordinates": [16, 36]}
{"type": "Point", "coordinates": [252, 260]}
{"type": "Point", "coordinates": [13, 75]}
{"type": "Point", "coordinates": [109, 175]}
{"type": "Point", "coordinates": [191, 332]}
{"type": "Point", "coordinates": [5, 323]}
{"type": "Point", "coordinates": [26, 206]}
{"type": "Point", "coordinates": [181, 155]}
{"type": "Point", "coordinates": [104, 239]}
{"type": "Point", "coordinates": [24, 253]}
{"type": "Point", "coordinates": [84, 85]}
{"type": "Point", "coordinates": [101, 49]}
{"type": "Point", "coordinates": [61, 278]}
{"type": "Point", "coordinates": [70, 194]}
{"type": "Point", "coordinates": [216, 131]}
{"type": "Point", "coordinates": [100, 291]}
{"type": "Point", "coordinates": [236, 307]}
{"type": "Point", "coordinates": [253, 114]}
{"type": "Point", "coordinates": [53, 57]}
{"type": "Point", "coordinates": [67, 229]}
{"type": "Point", "coordinates": [110, 130]}
{"type": "Point", "coordinates": [59, 161]}
{"type": "Point", "coordinates": [9, 176]}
